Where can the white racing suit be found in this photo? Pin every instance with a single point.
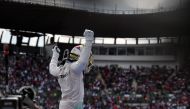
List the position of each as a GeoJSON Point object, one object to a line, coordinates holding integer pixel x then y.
{"type": "Point", "coordinates": [70, 78]}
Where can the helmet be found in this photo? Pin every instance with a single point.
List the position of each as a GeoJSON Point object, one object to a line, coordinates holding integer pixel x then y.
{"type": "Point", "coordinates": [75, 54]}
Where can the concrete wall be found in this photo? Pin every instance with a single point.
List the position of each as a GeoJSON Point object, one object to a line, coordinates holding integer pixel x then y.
{"type": "Point", "coordinates": [134, 58]}
{"type": "Point", "coordinates": [132, 63]}
{"type": "Point", "coordinates": [126, 61]}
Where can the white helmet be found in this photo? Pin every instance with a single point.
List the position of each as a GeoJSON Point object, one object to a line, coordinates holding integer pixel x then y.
{"type": "Point", "coordinates": [75, 54]}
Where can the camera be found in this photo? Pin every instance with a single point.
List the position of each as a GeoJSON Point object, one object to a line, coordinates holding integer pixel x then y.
{"type": "Point", "coordinates": [23, 100]}
{"type": "Point", "coordinates": [11, 102]}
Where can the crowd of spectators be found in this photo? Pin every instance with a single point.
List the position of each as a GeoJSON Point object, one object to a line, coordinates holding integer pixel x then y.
{"type": "Point", "coordinates": [32, 70]}
{"type": "Point", "coordinates": [108, 87]}
{"type": "Point", "coordinates": [143, 87]}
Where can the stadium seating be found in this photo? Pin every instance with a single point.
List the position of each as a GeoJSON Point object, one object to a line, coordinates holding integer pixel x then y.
{"type": "Point", "coordinates": [156, 87]}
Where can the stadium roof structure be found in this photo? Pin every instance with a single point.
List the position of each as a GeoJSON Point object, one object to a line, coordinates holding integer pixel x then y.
{"type": "Point", "coordinates": [56, 20]}
{"type": "Point", "coordinates": [25, 33]}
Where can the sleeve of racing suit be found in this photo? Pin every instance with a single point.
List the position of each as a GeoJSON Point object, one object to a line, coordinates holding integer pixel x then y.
{"type": "Point", "coordinates": [80, 65]}
{"type": "Point", "coordinates": [53, 68]}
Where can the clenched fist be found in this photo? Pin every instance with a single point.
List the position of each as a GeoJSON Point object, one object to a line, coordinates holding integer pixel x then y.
{"type": "Point", "coordinates": [89, 35]}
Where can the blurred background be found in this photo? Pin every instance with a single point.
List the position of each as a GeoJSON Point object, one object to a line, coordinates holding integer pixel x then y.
{"type": "Point", "coordinates": [141, 50]}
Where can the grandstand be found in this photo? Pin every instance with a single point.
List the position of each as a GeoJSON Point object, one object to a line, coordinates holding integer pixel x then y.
{"type": "Point", "coordinates": [141, 50]}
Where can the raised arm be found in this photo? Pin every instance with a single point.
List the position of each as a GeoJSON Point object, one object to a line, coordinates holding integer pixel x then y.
{"type": "Point", "coordinates": [80, 65]}
{"type": "Point", "coordinates": [53, 68]}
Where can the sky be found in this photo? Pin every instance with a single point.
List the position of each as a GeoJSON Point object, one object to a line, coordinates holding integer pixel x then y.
{"type": "Point", "coordinates": [61, 38]}
{"type": "Point", "coordinates": [79, 39]}
{"type": "Point", "coordinates": [7, 36]}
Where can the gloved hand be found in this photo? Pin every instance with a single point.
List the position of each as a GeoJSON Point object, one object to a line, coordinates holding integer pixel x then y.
{"type": "Point", "coordinates": [89, 35]}
{"type": "Point", "coordinates": [56, 51]}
